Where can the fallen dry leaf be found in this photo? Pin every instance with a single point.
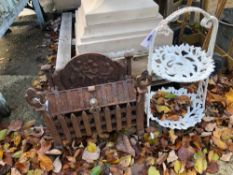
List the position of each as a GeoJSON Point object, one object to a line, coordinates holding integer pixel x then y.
{"type": "Point", "coordinates": [172, 136]}
{"type": "Point", "coordinates": [153, 171]}
{"type": "Point", "coordinates": [212, 168]}
{"type": "Point", "coordinates": [191, 172]}
{"type": "Point", "coordinates": [14, 171]}
{"type": "Point", "coordinates": [126, 161]}
{"type": "Point", "coordinates": [124, 145]}
{"type": "Point", "coordinates": [57, 165]}
{"type": "Point", "coordinates": [226, 157]}
{"type": "Point", "coordinates": [29, 124]}
{"type": "Point", "coordinates": [16, 138]}
{"type": "Point", "coordinates": [172, 156]}
{"type": "Point", "coordinates": [200, 164]}
{"type": "Point", "coordinates": [161, 158]}
{"type": "Point", "coordinates": [91, 156]}
{"type": "Point", "coordinates": [185, 153]}
{"type": "Point", "coordinates": [229, 96]}
{"type": "Point", "coordinates": [46, 163]}
{"type": "Point", "coordinates": [178, 167]}
{"type": "Point", "coordinates": [217, 139]}
{"type": "Point", "coordinates": [3, 134]}
{"type": "Point", "coordinates": [23, 167]}
{"type": "Point", "coordinates": [37, 131]}
{"type": "Point", "coordinates": [210, 127]}
{"type": "Point", "coordinates": [15, 125]}
{"type": "Point", "coordinates": [53, 152]}
{"type": "Point", "coordinates": [213, 156]}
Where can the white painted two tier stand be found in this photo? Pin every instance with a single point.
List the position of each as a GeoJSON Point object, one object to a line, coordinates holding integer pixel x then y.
{"type": "Point", "coordinates": [182, 64]}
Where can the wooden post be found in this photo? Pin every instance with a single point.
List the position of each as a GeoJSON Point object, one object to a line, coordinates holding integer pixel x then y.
{"type": "Point", "coordinates": [220, 7]}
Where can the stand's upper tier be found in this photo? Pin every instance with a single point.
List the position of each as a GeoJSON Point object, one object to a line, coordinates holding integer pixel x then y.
{"type": "Point", "coordinates": [182, 63]}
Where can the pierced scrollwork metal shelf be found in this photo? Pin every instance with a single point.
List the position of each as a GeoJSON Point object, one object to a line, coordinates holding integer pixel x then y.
{"type": "Point", "coordinates": [182, 64]}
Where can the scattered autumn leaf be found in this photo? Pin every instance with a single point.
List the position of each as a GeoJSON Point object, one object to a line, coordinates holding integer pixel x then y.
{"type": "Point", "coordinates": [185, 153]}
{"type": "Point", "coordinates": [229, 96]}
{"type": "Point", "coordinates": [212, 168]}
{"type": "Point", "coordinates": [178, 167]}
{"type": "Point", "coordinates": [16, 138]}
{"type": "Point", "coordinates": [96, 170]}
{"type": "Point", "coordinates": [126, 161]}
{"type": "Point", "coordinates": [29, 124]}
{"type": "Point", "coordinates": [172, 156]}
{"type": "Point", "coordinates": [15, 125]}
{"type": "Point", "coordinates": [226, 157]}
{"type": "Point", "coordinates": [172, 136]}
{"type": "Point", "coordinates": [14, 171]}
{"type": "Point", "coordinates": [213, 156]}
{"type": "Point", "coordinates": [23, 167]}
{"type": "Point", "coordinates": [200, 164]}
{"type": "Point", "coordinates": [161, 158]}
{"type": "Point", "coordinates": [57, 165]}
{"type": "Point", "coordinates": [91, 147]}
{"type": "Point", "coordinates": [17, 154]}
{"type": "Point", "coordinates": [217, 139]}
{"type": "Point", "coordinates": [3, 134]}
{"type": "Point", "coordinates": [54, 152]}
{"type": "Point", "coordinates": [153, 171]}
{"type": "Point", "coordinates": [46, 163]}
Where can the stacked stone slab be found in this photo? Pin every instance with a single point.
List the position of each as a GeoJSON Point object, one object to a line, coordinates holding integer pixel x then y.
{"type": "Point", "coordinates": [113, 27]}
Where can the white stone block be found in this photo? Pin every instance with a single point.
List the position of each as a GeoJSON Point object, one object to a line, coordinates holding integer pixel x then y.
{"type": "Point", "coordinates": [113, 27]}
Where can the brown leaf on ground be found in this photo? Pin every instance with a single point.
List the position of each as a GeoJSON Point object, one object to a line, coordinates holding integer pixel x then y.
{"type": "Point", "coordinates": [185, 153]}
{"type": "Point", "coordinates": [124, 145]}
{"type": "Point", "coordinates": [29, 124]}
{"type": "Point", "coordinates": [15, 125]}
{"type": "Point", "coordinates": [211, 97]}
{"type": "Point", "coordinates": [217, 139]}
{"type": "Point", "coordinates": [227, 157]}
{"type": "Point", "coordinates": [210, 127]}
{"type": "Point", "coordinates": [45, 146]}
{"type": "Point", "coordinates": [172, 136]}
{"type": "Point", "coordinates": [37, 131]}
{"type": "Point", "coordinates": [161, 158]}
{"type": "Point", "coordinates": [57, 165]}
{"type": "Point", "coordinates": [172, 156]}
{"type": "Point", "coordinates": [46, 163]}
{"type": "Point", "coordinates": [23, 167]}
{"type": "Point", "coordinates": [212, 168]}
{"type": "Point", "coordinates": [14, 171]}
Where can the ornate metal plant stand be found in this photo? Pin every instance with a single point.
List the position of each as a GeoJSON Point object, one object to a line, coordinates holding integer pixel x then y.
{"type": "Point", "coordinates": [183, 64]}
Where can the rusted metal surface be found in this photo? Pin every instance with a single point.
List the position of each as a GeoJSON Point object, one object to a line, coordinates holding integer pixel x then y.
{"type": "Point", "coordinates": [89, 69]}
{"type": "Point", "coordinates": [98, 108]}
{"type": "Point", "coordinates": [75, 100]}
{"type": "Point", "coordinates": [35, 98]}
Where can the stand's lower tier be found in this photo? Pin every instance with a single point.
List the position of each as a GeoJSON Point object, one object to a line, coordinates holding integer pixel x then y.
{"type": "Point", "coordinates": [194, 114]}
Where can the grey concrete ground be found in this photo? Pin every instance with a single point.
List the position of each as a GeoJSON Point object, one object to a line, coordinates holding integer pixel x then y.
{"type": "Point", "coordinates": [21, 55]}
